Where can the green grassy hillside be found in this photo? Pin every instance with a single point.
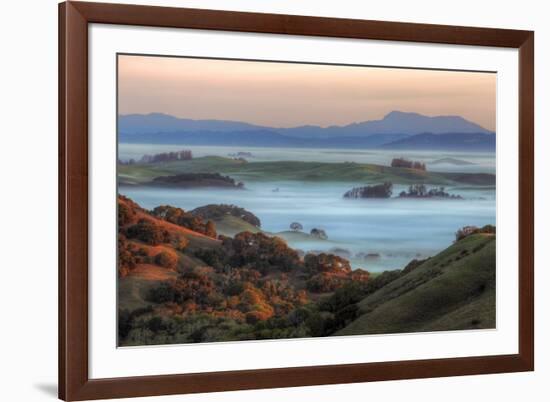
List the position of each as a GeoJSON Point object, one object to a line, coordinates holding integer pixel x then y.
{"type": "Point", "coordinates": [451, 291]}
{"type": "Point", "coordinates": [294, 170]}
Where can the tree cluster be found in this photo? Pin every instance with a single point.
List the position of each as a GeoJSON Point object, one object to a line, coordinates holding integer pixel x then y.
{"type": "Point", "coordinates": [296, 226]}
{"type": "Point", "coordinates": [329, 272]}
{"type": "Point", "coordinates": [405, 163]}
{"type": "Point", "coordinates": [183, 155]}
{"type": "Point", "coordinates": [242, 294]}
{"type": "Point", "coordinates": [470, 230]}
{"type": "Point", "coordinates": [218, 211]}
{"type": "Point", "coordinates": [383, 190]}
{"type": "Point", "coordinates": [259, 251]}
{"type": "Point", "coordinates": [197, 180]}
{"type": "Point", "coordinates": [148, 232]}
{"type": "Point", "coordinates": [318, 233]}
{"type": "Point", "coordinates": [184, 219]}
{"type": "Point", "coordinates": [130, 255]}
{"type": "Point", "coordinates": [421, 191]}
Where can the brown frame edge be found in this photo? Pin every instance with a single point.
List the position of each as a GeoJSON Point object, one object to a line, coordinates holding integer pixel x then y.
{"type": "Point", "coordinates": [74, 382]}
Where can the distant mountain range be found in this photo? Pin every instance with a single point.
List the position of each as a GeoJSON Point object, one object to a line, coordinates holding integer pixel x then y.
{"type": "Point", "coordinates": [397, 130]}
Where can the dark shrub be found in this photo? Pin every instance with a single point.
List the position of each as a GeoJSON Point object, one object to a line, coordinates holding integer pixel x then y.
{"type": "Point", "coordinates": [316, 324]}
{"type": "Point", "coordinates": [180, 243]}
{"type": "Point", "coordinates": [127, 259]}
{"type": "Point", "coordinates": [162, 294]}
{"type": "Point", "coordinates": [147, 232]}
{"type": "Point", "coordinates": [298, 316]}
{"type": "Point", "coordinates": [296, 226]}
{"type": "Point", "coordinates": [346, 315]}
{"type": "Point", "coordinates": [260, 252]}
{"type": "Point", "coordinates": [125, 215]}
{"type": "Point", "coordinates": [214, 257]}
{"type": "Point", "coordinates": [351, 293]}
{"type": "Point", "coordinates": [319, 233]}
{"type": "Point", "coordinates": [326, 263]}
{"type": "Point", "coordinates": [124, 323]}
{"type": "Point", "coordinates": [210, 229]}
{"type": "Point", "coordinates": [325, 282]}
{"type": "Point", "coordinates": [234, 288]}
{"type": "Point", "coordinates": [155, 324]}
{"type": "Point", "coordinates": [184, 219]}
{"type": "Point", "coordinates": [167, 260]}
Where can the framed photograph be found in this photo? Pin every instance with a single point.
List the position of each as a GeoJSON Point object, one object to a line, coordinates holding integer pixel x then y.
{"type": "Point", "coordinates": [259, 200]}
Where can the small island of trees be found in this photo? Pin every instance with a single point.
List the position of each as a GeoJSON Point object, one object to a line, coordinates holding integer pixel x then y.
{"type": "Point", "coordinates": [414, 191]}
{"type": "Point", "coordinates": [197, 180]}
{"type": "Point", "coordinates": [421, 191]}
{"type": "Point", "coordinates": [376, 191]}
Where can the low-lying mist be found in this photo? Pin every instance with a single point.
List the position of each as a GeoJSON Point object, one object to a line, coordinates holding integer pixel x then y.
{"type": "Point", "coordinates": [375, 234]}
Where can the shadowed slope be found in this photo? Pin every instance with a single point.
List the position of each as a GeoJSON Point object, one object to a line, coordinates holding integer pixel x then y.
{"type": "Point", "coordinates": [451, 291]}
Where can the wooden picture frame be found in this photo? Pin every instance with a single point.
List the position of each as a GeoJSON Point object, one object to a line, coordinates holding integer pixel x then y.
{"type": "Point", "coordinates": [74, 381]}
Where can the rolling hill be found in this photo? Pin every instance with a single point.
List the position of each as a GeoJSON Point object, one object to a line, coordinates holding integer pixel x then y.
{"type": "Point", "coordinates": [178, 282]}
{"type": "Point", "coordinates": [294, 170]}
{"type": "Point", "coordinates": [453, 290]}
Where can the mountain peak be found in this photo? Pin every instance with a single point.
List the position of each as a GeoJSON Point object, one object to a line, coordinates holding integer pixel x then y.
{"type": "Point", "coordinates": [397, 114]}
{"type": "Point", "coordinates": [416, 123]}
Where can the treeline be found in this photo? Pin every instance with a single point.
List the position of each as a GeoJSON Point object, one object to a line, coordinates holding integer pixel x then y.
{"type": "Point", "coordinates": [182, 155]}
{"type": "Point", "coordinates": [385, 191]}
{"type": "Point", "coordinates": [421, 191]}
{"type": "Point", "coordinates": [405, 163]}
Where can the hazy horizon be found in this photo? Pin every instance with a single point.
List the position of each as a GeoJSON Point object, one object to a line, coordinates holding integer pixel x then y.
{"type": "Point", "coordinates": [281, 95]}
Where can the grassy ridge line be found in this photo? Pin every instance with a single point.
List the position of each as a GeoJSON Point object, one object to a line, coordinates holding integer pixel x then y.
{"type": "Point", "coordinates": [453, 290]}
{"type": "Point", "coordinates": [296, 170]}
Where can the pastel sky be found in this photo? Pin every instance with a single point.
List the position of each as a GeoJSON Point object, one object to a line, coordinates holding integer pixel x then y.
{"type": "Point", "coordinates": [288, 95]}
